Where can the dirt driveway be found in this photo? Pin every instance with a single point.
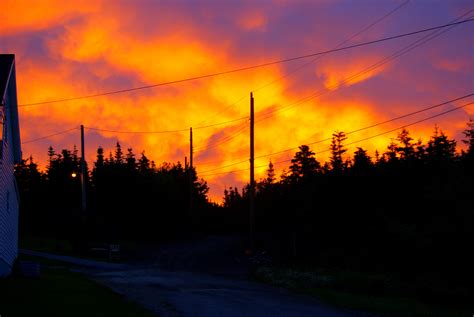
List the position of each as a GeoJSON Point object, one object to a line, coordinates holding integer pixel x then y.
{"type": "Point", "coordinates": [196, 294]}
{"type": "Point", "coordinates": [205, 277]}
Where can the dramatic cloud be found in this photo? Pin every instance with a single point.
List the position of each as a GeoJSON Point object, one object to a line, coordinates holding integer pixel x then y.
{"type": "Point", "coordinates": [77, 48]}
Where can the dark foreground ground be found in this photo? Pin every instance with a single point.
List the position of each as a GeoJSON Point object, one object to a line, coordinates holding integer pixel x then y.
{"type": "Point", "coordinates": [204, 278]}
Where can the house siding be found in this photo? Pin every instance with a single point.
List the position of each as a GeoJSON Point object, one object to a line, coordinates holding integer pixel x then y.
{"type": "Point", "coordinates": [8, 212]}
{"type": "Point", "coordinates": [9, 198]}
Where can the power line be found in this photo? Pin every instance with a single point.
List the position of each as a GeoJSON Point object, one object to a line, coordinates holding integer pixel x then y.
{"type": "Point", "coordinates": [374, 66]}
{"type": "Point", "coordinates": [225, 109]}
{"type": "Point", "coordinates": [230, 172]}
{"type": "Point", "coordinates": [165, 131]}
{"type": "Point", "coordinates": [320, 141]}
{"type": "Point", "coordinates": [337, 46]}
{"type": "Point", "coordinates": [354, 142]}
{"type": "Point", "coordinates": [215, 143]}
{"type": "Point", "coordinates": [249, 67]}
{"type": "Point", "coordinates": [293, 71]}
{"type": "Point", "coordinates": [49, 135]}
{"type": "Point", "coordinates": [377, 124]}
{"type": "Point", "coordinates": [302, 100]}
{"type": "Point", "coordinates": [220, 161]}
{"type": "Point", "coordinates": [364, 128]}
{"type": "Point", "coordinates": [225, 166]}
{"type": "Point", "coordinates": [413, 123]}
{"type": "Point", "coordinates": [403, 51]}
{"type": "Point", "coordinates": [131, 132]}
{"type": "Point", "coordinates": [360, 129]}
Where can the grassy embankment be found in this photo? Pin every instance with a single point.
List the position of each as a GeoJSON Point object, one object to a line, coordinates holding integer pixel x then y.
{"type": "Point", "coordinates": [376, 293]}
{"type": "Point", "coordinates": [48, 245]}
{"type": "Point", "coordinates": [60, 292]}
{"type": "Point", "coordinates": [64, 247]}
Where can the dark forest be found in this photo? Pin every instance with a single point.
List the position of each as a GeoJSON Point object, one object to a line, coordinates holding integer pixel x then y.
{"type": "Point", "coordinates": [407, 211]}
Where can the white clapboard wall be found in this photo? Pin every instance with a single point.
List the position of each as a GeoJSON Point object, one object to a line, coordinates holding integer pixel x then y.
{"type": "Point", "coordinates": [9, 197]}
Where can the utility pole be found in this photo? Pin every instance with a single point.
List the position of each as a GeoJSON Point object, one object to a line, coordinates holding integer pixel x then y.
{"type": "Point", "coordinates": [191, 147]}
{"type": "Point", "coordinates": [191, 177]}
{"type": "Point", "coordinates": [83, 172]}
{"type": "Point", "coordinates": [252, 177]}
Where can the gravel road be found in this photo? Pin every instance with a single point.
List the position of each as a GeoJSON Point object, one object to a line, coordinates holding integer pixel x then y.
{"type": "Point", "coordinates": [205, 277]}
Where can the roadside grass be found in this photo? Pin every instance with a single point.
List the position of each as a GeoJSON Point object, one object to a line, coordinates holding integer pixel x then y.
{"type": "Point", "coordinates": [43, 244]}
{"type": "Point", "coordinates": [55, 246]}
{"type": "Point", "coordinates": [373, 293]}
{"type": "Point", "coordinates": [64, 247]}
{"type": "Point", "coordinates": [48, 263]}
{"type": "Point", "coordinates": [59, 292]}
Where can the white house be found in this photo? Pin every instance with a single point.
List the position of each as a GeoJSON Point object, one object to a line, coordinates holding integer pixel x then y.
{"type": "Point", "coordinates": [10, 154]}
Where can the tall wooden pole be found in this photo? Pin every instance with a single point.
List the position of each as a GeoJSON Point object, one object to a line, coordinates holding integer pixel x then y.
{"type": "Point", "coordinates": [191, 147]}
{"type": "Point", "coordinates": [191, 179]}
{"type": "Point", "coordinates": [252, 176]}
{"type": "Point", "coordinates": [83, 172]}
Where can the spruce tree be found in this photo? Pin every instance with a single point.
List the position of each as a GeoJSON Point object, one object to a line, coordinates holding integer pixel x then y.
{"type": "Point", "coordinates": [440, 148]}
{"type": "Point", "coordinates": [270, 179]}
{"type": "Point", "coordinates": [144, 163]}
{"type": "Point", "coordinates": [131, 161]}
{"type": "Point", "coordinates": [118, 155]}
{"type": "Point", "coordinates": [99, 163]}
{"type": "Point", "coordinates": [337, 151]}
{"type": "Point", "coordinates": [469, 141]}
{"type": "Point", "coordinates": [405, 148]}
{"type": "Point", "coordinates": [304, 164]}
{"type": "Point", "coordinates": [362, 161]}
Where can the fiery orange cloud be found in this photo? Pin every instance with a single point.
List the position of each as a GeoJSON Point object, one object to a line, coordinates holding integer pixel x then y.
{"type": "Point", "coordinates": [23, 15]}
{"type": "Point", "coordinates": [159, 58]}
{"type": "Point", "coordinates": [87, 49]}
{"type": "Point", "coordinates": [253, 20]}
{"type": "Point", "coordinates": [337, 74]}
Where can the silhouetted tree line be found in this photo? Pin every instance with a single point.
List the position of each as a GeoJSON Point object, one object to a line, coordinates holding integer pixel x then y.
{"type": "Point", "coordinates": [408, 211]}
{"type": "Point", "coordinates": [127, 198]}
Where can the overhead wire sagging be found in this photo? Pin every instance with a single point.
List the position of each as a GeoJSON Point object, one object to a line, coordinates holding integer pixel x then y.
{"type": "Point", "coordinates": [204, 173]}
{"type": "Point", "coordinates": [286, 60]}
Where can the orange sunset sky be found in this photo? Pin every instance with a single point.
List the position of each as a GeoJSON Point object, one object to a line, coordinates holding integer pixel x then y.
{"type": "Point", "coordinates": [69, 49]}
